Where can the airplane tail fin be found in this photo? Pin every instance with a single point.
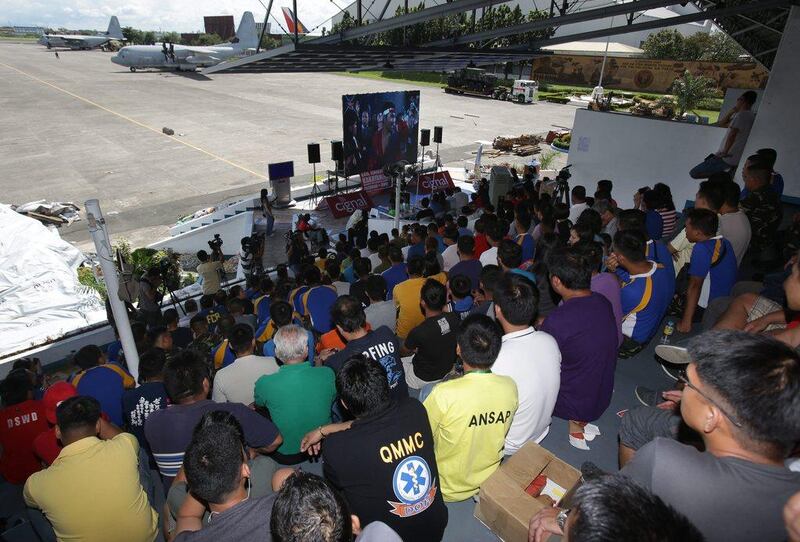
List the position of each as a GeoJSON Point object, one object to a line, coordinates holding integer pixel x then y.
{"type": "Point", "coordinates": [246, 34]}
{"type": "Point", "coordinates": [288, 16]}
{"type": "Point", "coordinates": [114, 30]}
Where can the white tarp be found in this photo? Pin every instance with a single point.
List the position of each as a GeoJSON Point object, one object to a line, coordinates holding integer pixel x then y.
{"type": "Point", "coordinates": [40, 296]}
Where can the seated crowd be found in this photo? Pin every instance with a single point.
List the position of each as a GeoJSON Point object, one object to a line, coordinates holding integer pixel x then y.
{"type": "Point", "coordinates": [413, 364]}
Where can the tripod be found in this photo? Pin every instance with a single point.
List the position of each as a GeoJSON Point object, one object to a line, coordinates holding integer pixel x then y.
{"type": "Point", "coordinates": [314, 197]}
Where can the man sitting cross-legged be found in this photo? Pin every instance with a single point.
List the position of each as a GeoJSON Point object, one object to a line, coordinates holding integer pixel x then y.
{"type": "Point", "coordinates": [586, 332]}
{"type": "Point", "coordinates": [742, 396]}
{"type": "Point", "coordinates": [433, 342]}
{"type": "Point", "coordinates": [102, 471]}
{"type": "Point", "coordinates": [298, 397]}
{"type": "Point", "coordinates": [388, 444]}
{"type": "Point", "coordinates": [530, 357]}
{"type": "Point", "coordinates": [470, 416]}
{"type": "Point", "coordinates": [712, 269]}
{"type": "Point", "coordinates": [169, 430]}
{"type": "Point", "coordinates": [379, 344]}
{"type": "Point", "coordinates": [231, 492]}
{"type": "Point", "coordinates": [647, 288]}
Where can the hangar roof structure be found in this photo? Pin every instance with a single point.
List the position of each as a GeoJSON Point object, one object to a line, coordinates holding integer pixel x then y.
{"type": "Point", "coordinates": [757, 25]}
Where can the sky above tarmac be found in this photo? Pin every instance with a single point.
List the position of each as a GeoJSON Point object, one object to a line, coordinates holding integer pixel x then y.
{"type": "Point", "coordinates": [164, 15]}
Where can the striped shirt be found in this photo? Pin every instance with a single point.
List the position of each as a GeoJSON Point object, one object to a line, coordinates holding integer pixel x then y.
{"type": "Point", "coordinates": [670, 219]}
{"type": "Point", "coordinates": [169, 431]}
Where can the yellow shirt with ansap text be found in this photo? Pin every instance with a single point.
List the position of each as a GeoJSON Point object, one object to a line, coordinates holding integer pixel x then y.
{"type": "Point", "coordinates": [470, 417]}
{"type": "Point", "coordinates": [92, 492]}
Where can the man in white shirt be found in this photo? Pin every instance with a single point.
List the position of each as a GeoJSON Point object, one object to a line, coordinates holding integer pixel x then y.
{"type": "Point", "coordinates": [494, 234]}
{"type": "Point", "coordinates": [579, 204]}
{"type": "Point", "coordinates": [450, 254]}
{"type": "Point", "coordinates": [733, 222]}
{"type": "Point", "coordinates": [531, 358]}
{"type": "Point", "coordinates": [738, 121]}
{"type": "Point", "coordinates": [379, 312]}
{"type": "Point", "coordinates": [236, 382]}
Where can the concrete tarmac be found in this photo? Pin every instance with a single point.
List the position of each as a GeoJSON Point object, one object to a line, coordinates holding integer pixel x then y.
{"type": "Point", "coordinates": [80, 127]}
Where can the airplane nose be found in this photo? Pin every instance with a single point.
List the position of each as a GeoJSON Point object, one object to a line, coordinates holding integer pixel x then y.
{"type": "Point", "coordinates": [116, 59]}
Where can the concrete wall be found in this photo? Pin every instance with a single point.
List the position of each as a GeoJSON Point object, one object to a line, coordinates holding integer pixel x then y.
{"type": "Point", "coordinates": [634, 152]}
{"type": "Point", "coordinates": [777, 124]}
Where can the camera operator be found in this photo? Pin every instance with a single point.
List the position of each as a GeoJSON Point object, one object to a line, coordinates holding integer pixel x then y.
{"type": "Point", "coordinates": [149, 297]}
{"type": "Point", "coordinates": [246, 257]}
{"type": "Point", "coordinates": [210, 271]}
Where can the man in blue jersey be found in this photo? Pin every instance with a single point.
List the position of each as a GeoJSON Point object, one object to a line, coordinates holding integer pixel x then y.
{"type": "Point", "coordinates": [712, 268]}
{"type": "Point", "coordinates": [647, 288]}
{"type": "Point", "coordinates": [316, 301]}
{"type": "Point", "coordinates": [522, 223]}
{"type": "Point", "coordinates": [657, 251]}
{"type": "Point", "coordinates": [397, 273]}
{"type": "Point", "coordinates": [105, 382]}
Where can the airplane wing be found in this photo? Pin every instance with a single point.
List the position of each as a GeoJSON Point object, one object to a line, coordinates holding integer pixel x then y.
{"type": "Point", "coordinates": [71, 41]}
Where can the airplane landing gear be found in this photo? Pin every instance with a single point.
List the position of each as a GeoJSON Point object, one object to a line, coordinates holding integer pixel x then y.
{"type": "Point", "coordinates": [132, 69]}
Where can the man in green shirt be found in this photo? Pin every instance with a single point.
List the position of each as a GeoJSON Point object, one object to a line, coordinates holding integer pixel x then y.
{"type": "Point", "coordinates": [298, 396]}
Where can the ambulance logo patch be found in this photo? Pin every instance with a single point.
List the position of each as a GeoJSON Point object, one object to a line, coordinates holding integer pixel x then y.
{"type": "Point", "coordinates": [413, 486]}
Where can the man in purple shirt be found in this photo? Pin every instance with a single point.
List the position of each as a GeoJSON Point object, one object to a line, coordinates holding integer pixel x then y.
{"type": "Point", "coordinates": [169, 430]}
{"type": "Point", "coordinates": [605, 284]}
{"type": "Point", "coordinates": [397, 272]}
{"type": "Point", "coordinates": [586, 332]}
{"type": "Point", "coordinates": [468, 265]}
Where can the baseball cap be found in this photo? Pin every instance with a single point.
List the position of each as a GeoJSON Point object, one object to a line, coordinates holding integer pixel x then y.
{"type": "Point", "coordinates": [54, 396]}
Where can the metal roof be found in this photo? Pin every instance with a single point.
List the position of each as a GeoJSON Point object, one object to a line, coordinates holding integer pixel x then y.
{"type": "Point", "coordinates": [305, 57]}
{"type": "Point", "coordinates": [758, 31]}
{"type": "Point", "coordinates": [756, 24]}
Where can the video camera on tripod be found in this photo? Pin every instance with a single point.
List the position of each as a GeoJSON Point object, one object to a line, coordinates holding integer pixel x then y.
{"type": "Point", "coordinates": [559, 187]}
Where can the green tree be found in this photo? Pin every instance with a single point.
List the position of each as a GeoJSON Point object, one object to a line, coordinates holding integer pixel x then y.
{"type": "Point", "coordinates": [713, 47]}
{"type": "Point", "coordinates": [149, 37]}
{"type": "Point", "coordinates": [689, 90]}
{"type": "Point", "coordinates": [207, 39]}
{"type": "Point", "coordinates": [269, 43]}
{"type": "Point", "coordinates": [171, 37]}
{"type": "Point", "coordinates": [132, 35]}
{"type": "Point", "coordinates": [665, 44]}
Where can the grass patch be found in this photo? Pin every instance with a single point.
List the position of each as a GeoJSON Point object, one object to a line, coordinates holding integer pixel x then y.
{"type": "Point", "coordinates": [19, 38]}
{"type": "Point", "coordinates": [426, 79]}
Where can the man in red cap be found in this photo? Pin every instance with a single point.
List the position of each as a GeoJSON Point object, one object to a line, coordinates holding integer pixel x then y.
{"type": "Point", "coordinates": [46, 445]}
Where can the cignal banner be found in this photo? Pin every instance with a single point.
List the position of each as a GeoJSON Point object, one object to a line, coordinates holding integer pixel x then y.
{"type": "Point", "coordinates": [342, 205]}
{"type": "Point", "coordinates": [431, 182]}
{"type": "Point", "coordinates": [379, 129]}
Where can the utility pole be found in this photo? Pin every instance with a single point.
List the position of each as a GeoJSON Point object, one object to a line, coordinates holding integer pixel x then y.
{"type": "Point", "coordinates": [102, 244]}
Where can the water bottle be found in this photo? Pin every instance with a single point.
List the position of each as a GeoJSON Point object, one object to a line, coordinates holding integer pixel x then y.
{"type": "Point", "coordinates": [669, 329]}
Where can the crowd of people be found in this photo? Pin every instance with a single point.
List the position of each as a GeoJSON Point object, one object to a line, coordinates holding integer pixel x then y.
{"type": "Point", "coordinates": [413, 364]}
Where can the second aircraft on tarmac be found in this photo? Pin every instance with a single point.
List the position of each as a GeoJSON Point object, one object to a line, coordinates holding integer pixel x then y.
{"type": "Point", "coordinates": [188, 57]}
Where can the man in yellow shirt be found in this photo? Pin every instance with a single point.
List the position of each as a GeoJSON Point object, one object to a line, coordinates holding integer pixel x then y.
{"type": "Point", "coordinates": [406, 297]}
{"type": "Point", "coordinates": [471, 415]}
{"type": "Point", "coordinates": [92, 490]}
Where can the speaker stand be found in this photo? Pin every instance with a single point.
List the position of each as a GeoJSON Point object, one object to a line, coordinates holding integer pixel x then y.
{"type": "Point", "coordinates": [314, 196]}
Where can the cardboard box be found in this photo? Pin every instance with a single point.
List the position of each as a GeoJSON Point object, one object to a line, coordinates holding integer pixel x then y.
{"type": "Point", "coordinates": [504, 505]}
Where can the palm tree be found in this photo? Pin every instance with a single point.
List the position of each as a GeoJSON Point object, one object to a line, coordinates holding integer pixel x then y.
{"type": "Point", "coordinates": [689, 90]}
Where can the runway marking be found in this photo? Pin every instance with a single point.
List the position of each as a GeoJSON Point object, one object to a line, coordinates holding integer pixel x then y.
{"type": "Point", "coordinates": [136, 122]}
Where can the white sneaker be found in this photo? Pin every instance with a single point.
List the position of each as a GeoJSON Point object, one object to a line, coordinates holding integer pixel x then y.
{"type": "Point", "coordinates": [677, 355]}
{"type": "Point", "coordinates": [579, 443]}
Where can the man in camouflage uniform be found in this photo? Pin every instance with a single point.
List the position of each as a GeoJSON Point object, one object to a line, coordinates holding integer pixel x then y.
{"type": "Point", "coordinates": [762, 206]}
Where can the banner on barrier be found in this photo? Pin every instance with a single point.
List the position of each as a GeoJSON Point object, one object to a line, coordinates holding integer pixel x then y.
{"type": "Point", "coordinates": [342, 205]}
{"type": "Point", "coordinates": [375, 181]}
{"type": "Point", "coordinates": [432, 182]}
